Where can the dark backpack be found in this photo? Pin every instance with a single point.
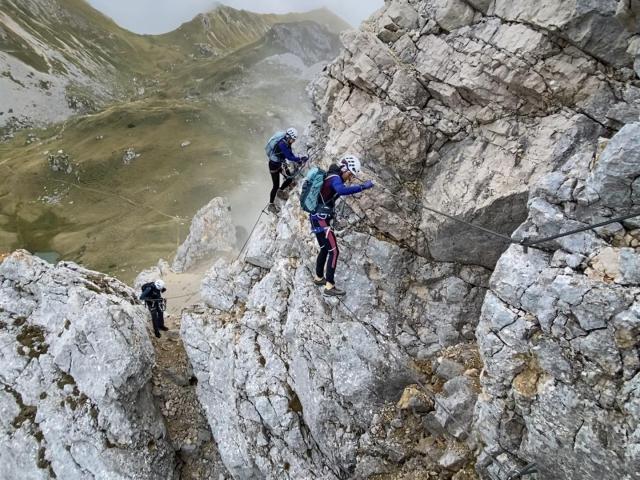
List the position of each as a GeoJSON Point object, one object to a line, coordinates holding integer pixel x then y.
{"type": "Point", "coordinates": [148, 285]}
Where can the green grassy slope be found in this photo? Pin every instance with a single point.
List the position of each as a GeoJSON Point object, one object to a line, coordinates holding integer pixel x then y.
{"type": "Point", "coordinates": [121, 218]}
{"type": "Point", "coordinates": [80, 34]}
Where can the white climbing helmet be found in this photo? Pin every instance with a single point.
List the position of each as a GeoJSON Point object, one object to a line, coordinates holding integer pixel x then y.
{"type": "Point", "coordinates": [292, 133]}
{"type": "Point", "coordinates": [159, 284]}
{"type": "Point", "coordinates": [351, 163]}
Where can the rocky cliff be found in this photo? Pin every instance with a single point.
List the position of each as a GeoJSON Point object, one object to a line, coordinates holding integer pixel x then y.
{"type": "Point", "coordinates": [75, 391]}
{"type": "Point", "coordinates": [559, 330]}
{"type": "Point", "coordinates": [453, 355]}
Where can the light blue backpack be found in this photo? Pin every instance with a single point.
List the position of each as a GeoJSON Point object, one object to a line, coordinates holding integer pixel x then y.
{"type": "Point", "coordinates": [271, 146]}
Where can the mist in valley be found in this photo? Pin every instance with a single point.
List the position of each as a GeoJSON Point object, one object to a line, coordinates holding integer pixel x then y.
{"type": "Point", "coordinates": [115, 188]}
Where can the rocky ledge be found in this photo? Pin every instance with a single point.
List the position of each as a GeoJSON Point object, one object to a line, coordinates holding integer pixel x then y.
{"type": "Point", "coordinates": [559, 330]}
{"type": "Point", "coordinates": [75, 393]}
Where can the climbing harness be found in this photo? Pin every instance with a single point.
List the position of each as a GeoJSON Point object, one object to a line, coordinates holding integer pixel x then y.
{"type": "Point", "coordinates": [162, 305]}
{"type": "Point", "coordinates": [291, 173]}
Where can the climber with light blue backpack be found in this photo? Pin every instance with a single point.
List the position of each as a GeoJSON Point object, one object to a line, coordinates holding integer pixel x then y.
{"type": "Point", "coordinates": [318, 197]}
{"type": "Point", "coordinates": [278, 152]}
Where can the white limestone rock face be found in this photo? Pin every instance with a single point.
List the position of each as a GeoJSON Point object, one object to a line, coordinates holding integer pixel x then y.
{"type": "Point", "coordinates": [452, 14]}
{"type": "Point", "coordinates": [212, 230]}
{"type": "Point", "coordinates": [462, 119]}
{"type": "Point", "coordinates": [614, 183]}
{"type": "Point", "coordinates": [293, 384]}
{"type": "Point", "coordinates": [76, 397]}
{"type": "Point", "coordinates": [604, 29]}
{"type": "Point", "coordinates": [559, 332]}
{"type": "Point", "coordinates": [504, 119]}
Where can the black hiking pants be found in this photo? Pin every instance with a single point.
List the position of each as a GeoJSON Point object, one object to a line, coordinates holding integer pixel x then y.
{"type": "Point", "coordinates": [328, 257]}
{"type": "Point", "coordinates": [275, 169]}
{"type": "Point", "coordinates": [157, 318]}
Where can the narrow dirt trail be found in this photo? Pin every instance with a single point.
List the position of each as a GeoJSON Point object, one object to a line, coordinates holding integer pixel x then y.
{"type": "Point", "coordinates": [174, 387]}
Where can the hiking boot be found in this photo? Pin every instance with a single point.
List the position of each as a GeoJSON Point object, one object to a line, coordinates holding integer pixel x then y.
{"type": "Point", "coordinates": [164, 329]}
{"type": "Point", "coordinates": [157, 334]}
{"type": "Point", "coordinates": [319, 282]}
{"type": "Point", "coordinates": [272, 208]}
{"type": "Point", "coordinates": [282, 195]}
{"type": "Point", "coordinates": [333, 292]}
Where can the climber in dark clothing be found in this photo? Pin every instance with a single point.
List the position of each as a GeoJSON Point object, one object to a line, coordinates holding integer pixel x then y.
{"type": "Point", "coordinates": [152, 296]}
{"type": "Point", "coordinates": [333, 188]}
{"type": "Point", "coordinates": [279, 153]}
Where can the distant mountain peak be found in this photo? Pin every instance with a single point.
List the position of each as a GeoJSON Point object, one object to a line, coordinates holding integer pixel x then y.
{"type": "Point", "coordinates": [224, 28]}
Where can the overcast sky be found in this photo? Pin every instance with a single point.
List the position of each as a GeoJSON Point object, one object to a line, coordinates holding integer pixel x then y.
{"type": "Point", "coordinates": [159, 16]}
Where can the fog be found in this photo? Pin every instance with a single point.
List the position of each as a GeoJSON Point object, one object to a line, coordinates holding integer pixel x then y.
{"type": "Point", "coordinates": [160, 16]}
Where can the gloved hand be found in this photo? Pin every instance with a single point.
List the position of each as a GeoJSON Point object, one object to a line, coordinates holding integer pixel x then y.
{"type": "Point", "coordinates": [304, 159]}
{"type": "Point", "coordinates": [367, 185]}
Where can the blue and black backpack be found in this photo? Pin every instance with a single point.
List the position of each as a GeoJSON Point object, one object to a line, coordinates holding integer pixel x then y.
{"type": "Point", "coordinates": [270, 148]}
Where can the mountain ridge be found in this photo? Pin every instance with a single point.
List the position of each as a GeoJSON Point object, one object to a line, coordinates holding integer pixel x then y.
{"type": "Point", "coordinates": [200, 29]}
{"type": "Point", "coordinates": [70, 58]}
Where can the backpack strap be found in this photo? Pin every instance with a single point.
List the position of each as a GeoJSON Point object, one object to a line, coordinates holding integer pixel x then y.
{"type": "Point", "coordinates": [327, 178]}
{"type": "Point", "coordinates": [272, 145]}
{"type": "Point", "coordinates": [278, 152]}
